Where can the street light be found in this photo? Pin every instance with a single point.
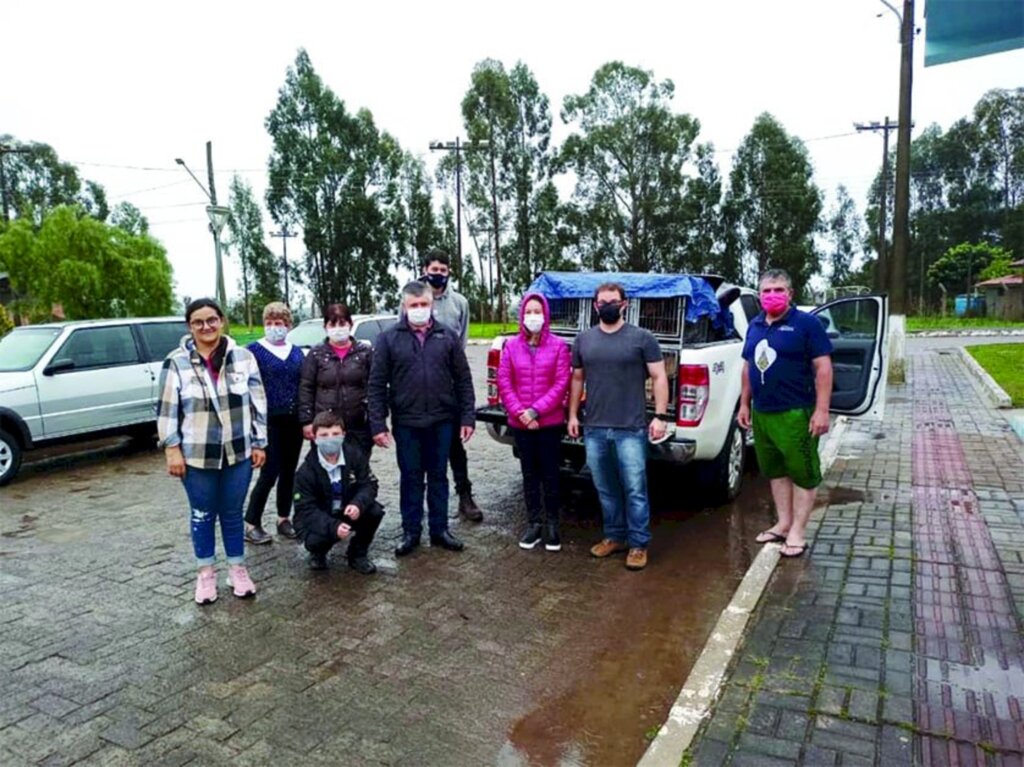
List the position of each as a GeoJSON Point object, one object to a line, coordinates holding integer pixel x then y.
{"type": "Point", "coordinates": [218, 216]}
{"type": "Point", "coordinates": [458, 147]}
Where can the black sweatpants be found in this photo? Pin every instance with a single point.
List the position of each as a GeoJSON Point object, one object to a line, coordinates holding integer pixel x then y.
{"type": "Point", "coordinates": [284, 443]}
{"type": "Point", "coordinates": [459, 461]}
{"type": "Point", "coordinates": [363, 531]}
{"type": "Point", "coordinates": [540, 455]}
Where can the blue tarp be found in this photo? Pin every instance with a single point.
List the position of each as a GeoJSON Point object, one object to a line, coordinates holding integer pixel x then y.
{"type": "Point", "coordinates": [701, 302]}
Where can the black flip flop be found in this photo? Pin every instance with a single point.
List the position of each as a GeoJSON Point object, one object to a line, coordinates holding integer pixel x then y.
{"type": "Point", "coordinates": [800, 553]}
{"type": "Point", "coordinates": [775, 537]}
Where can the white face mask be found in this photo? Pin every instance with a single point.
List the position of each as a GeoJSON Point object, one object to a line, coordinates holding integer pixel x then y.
{"type": "Point", "coordinates": [533, 322]}
{"type": "Point", "coordinates": [275, 333]}
{"type": "Point", "coordinates": [339, 334]}
{"type": "Point", "coordinates": [419, 315]}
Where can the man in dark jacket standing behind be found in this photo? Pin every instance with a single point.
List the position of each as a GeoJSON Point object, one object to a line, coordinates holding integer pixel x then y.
{"type": "Point", "coordinates": [420, 375]}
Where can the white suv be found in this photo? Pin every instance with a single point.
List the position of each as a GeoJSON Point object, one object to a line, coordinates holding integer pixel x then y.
{"type": "Point", "coordinates": [67, 380]}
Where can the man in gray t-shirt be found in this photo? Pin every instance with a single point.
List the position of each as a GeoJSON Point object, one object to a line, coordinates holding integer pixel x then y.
{"type": "Point", "coordinates": [615, 360]}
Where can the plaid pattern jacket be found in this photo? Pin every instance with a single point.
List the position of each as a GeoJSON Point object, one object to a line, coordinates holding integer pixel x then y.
{"type": "Point", "coordinates": [214, 426]}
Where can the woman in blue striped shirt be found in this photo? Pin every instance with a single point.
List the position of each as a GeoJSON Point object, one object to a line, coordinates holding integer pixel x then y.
{"type": "Point", "coordinates": [280, 364]}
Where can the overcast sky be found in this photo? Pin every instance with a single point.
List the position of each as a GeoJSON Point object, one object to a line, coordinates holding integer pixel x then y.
{"type": "Point", "coordinates": [121, 88]}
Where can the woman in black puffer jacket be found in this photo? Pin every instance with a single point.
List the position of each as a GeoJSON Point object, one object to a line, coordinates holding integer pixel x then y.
{"type": "Point", "coordinates": [334, 377]}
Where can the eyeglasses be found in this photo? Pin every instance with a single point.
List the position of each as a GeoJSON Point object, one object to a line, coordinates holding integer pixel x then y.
{"type": "Point", "coordinates": [212, 322]}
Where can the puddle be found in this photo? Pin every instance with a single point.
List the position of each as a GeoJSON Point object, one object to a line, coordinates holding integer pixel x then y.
{"type": "Point", "coordinates": [636, 648]}
{"type": "Point", "coordinates": [26, 527]}
{"type": "Point", "coordinates": [62, 535]}
{"type": "Point", "coordinates": [837, 496]}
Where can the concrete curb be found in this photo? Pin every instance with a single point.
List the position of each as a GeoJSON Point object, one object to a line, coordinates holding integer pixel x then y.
{"type": "Point", "coordinates": [693, 704]}
{"type": "Point", "coordinates": [994, 391]}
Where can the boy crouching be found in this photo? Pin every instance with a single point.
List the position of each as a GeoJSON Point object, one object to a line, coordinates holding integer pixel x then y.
{"type": "Point", "coordinates": [336, 497]}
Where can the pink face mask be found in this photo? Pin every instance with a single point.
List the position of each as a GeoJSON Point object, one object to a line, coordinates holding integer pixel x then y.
{"type": "Point", "coordinates": [774, 303]}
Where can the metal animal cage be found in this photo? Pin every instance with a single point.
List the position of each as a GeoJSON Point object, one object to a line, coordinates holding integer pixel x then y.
{"type": "Point", "coordinates": [661, 316]}
{"type": "Point", "coordinates": [565, 313]}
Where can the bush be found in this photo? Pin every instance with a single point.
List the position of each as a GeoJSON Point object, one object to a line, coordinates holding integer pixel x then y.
{"type": "Point", "coordinates": [6, 323]}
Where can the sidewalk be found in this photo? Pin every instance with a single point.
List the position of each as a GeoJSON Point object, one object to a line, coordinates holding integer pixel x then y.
{"type": "Point", "coordinates": [897, 639]}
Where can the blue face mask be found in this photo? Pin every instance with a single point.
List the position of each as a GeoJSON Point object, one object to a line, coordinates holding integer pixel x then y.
{"type": "Point", "coordinates": [275, 333]}
{"type": "Point", "coordinates": [330, 445]}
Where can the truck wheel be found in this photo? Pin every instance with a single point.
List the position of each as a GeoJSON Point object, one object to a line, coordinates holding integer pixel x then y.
{"type": "Point", "coordinates": [10, 457]}
{"type": "Point", "coordinates": [723, 477]}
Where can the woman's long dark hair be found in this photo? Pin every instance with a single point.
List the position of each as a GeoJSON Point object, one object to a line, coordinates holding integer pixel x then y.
{"type": "Point", "coordinates": [202, 303]}
{"type": "Point", "coordinates": [217, 356]}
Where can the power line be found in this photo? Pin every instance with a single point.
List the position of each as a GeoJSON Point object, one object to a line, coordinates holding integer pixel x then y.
{"type": "Point", "coordinates": [122, 195]}
{"type": "Point", "coordinates": [167, 169]}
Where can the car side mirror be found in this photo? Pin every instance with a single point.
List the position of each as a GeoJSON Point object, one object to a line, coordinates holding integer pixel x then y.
{"type": "Point", "coordinates": [61, 365]}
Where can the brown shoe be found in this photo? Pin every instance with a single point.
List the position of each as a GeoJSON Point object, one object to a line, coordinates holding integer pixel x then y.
{"type": "Point", "coordinates": [468, 507]}
{"type": "Point", "coordinates": [636, 559]}
{"type": "Point", "coordinates": [606, 548]}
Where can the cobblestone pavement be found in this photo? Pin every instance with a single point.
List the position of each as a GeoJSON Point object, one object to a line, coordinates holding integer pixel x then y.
{"type": "Point", "coordinates": [897, 641]}
{"type": "Point", "coordinates": [492, 656]}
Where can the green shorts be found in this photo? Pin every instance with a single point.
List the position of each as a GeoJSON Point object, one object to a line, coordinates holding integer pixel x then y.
{"type": "Point", "coordinates": [785, 447]}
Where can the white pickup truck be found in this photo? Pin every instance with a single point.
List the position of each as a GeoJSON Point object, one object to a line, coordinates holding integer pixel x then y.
{"type": "Point", "coordinates": [702, 343]}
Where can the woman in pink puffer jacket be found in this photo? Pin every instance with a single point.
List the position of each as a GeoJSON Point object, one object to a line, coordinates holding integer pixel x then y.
{"type": "Point", "coordinates": [533, 382]}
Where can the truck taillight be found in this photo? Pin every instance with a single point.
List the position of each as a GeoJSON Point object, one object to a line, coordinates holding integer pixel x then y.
{"type": "Point", "coordinates": [692, 399]}
{"type": "Point", "coordinates": [493, 360]}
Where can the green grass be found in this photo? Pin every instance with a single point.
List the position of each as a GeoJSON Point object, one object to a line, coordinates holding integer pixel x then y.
{"type": "Point", "coordinates": [932, 322]}
{"type": "Point", "coordinates": [244, 335]}
{"type": "Point", "coordinates": [485, 330]}
{"type": "Point", "coordinates": [1004, 363]}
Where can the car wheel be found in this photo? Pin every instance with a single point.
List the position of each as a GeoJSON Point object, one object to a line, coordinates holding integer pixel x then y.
{"type": "Point", "coordinates": [724, 476]}
{"type": "Point", "coordinates": [10, 457]}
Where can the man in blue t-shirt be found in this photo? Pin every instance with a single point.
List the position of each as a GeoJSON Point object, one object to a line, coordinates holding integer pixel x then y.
{"type": "Point", "coordinates": [787, 372]}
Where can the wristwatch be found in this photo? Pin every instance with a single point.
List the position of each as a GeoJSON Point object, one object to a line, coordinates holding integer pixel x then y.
{"type": "Point", "coordinates": [664, 417]}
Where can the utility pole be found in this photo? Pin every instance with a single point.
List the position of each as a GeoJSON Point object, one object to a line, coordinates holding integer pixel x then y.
{"type": "Point", "coordinates": [221, 293]}
{"type": "Point", "coordinates": [284, 234]}
{"type": "Point", "coordinates": [218, 216]}
{"type": "Point", "coordinates": [901, 204]}
{"type": "Point", "coordinates": [6, 149]}
{"type": "Point", "coordinates": [458, 147]}
{"type": "Point", "coordinates": [882, 267]}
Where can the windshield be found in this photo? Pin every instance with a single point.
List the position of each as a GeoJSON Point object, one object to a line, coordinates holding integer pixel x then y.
{"type": "Point", "coordinates": [22, 347]}
{"type": "Point", "coordinates": [307, 333]}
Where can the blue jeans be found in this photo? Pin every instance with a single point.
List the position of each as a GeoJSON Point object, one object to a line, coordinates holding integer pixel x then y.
{"type": "Point", "coordinates": [423, 453]}
{"type": "Point", "coordinates": [214, 493]}
{"type": "Point", "coordinates": [617, 459]}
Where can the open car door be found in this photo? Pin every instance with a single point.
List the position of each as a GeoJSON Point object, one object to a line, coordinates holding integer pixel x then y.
{"type": "Point", "coordinates": [857, 327]}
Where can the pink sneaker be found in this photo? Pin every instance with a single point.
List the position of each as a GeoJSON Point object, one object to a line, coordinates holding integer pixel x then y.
{"type": "Point", "coordinates": [206, 587]}
{"type": "Point", "coordinates": [239, 580]}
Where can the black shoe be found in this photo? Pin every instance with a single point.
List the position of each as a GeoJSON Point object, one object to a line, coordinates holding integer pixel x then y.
{"type": "Point", "coordinates": [317, 561]}
{"type": "Point", "coordinates": [285, 529]}
{"type": "Point", "coordinates": [362, 565]}
{"type": "Point", "coordinates": [408, 545]}
{"type": "Point", "coordinates": [531, 537]}
{"type": "Point", "coordinates": [258, 536]}
{"type": "Point", "coordinates": [447, 541]}
{"type": "Point", "coordinates": [468, 507]}
{"type": "Point", "coordinates": [552, 541]}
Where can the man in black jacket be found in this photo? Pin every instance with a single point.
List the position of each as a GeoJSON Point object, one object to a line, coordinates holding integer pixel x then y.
{"type": "Point", "coordinates": [336, 497]}
{"type": "Point", "coordinates": [420, 375]}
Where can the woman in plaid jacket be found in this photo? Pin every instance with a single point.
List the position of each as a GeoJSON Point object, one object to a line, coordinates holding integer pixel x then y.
{"type": "Point", "coordinates": [212, 422]}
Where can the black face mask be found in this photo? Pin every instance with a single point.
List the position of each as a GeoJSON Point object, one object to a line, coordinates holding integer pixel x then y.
{"type": "Point", "coordinates": [609, 313]}
{"type": "Point", "coordinates": [438, 281]}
